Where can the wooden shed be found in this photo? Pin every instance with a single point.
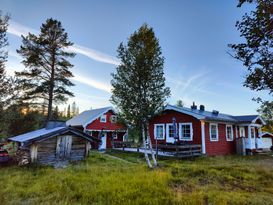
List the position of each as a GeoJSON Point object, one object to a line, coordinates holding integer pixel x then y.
{"type": "Point", "coordinates": [53, 145]}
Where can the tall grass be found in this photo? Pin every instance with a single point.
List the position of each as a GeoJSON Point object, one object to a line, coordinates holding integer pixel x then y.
{"type": "Point", "coordinates": [103, 179]}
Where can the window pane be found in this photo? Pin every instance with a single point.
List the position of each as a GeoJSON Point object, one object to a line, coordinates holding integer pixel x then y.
{"type": "Point", "coordinates": [213, 131]}
{"type": "Point", "coordinates": [159, 132]}
{"type": "Point", "coordinates": [186, 131]}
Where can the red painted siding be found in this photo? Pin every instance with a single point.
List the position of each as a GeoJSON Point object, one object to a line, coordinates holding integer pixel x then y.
{"type": "Point", "coordinates": [167, 117]}
{"type": "Point", "coordinates": [108, 125]}
{"type": "Point", "coordinates": [222, 146]}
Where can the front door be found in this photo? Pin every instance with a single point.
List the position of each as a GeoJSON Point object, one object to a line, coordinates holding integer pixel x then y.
{"type": "Point", "coordinates": [170, 134]}
{"type": "Point", "coordinates": [63, 147]}
{"type": "Point", "coordinates": [103, 141]}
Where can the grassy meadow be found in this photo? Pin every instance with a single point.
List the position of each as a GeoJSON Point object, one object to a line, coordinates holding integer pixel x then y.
{"type": "Point", "coordinates": [123, 178]}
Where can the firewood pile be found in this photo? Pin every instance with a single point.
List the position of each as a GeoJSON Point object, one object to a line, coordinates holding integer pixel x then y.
{"type": "Point", "coordinates": [22, 157]}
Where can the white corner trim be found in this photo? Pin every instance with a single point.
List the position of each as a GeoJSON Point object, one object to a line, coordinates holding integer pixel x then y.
{"type": "Point", "coordinates": [203, 139]}
{"type": "Point", "coordinates": [217, 132]}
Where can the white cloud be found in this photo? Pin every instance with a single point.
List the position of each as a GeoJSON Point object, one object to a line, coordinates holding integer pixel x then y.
{"type": "Point", "coordinates": [93, 83]}
{"type": "Point", "coordinates": [18, 30]}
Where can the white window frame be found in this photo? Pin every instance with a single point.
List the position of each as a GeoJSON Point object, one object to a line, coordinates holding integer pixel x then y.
{"type": "Point", "coordinates": [155, 134]}
{"type": "Point", "coordinates": [103, 118]}
{"type": "Point", "coordinates": [113, 119]}
{"type": "Point", "coordinates": [232, 135]}
{"type": "Point", "coordinates": [217, 132]}
{"type": "Point", "coordinates": [180, 131]}
{"type": "Point", "coordinates": [254, 131]}
{"type": "Point", "coordinates": [244, 132]}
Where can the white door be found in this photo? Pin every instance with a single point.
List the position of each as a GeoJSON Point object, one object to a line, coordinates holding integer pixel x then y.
{"type": "Point", "coordinates": [103, 142]}
{"type": "Point", "coordinates": [170, 134]}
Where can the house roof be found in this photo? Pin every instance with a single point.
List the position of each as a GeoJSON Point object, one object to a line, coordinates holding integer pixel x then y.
{"type": "Point", "coordinates": [42, 134]}
{"type": "Point", "coordinates": [206, 115]}
{"type": "Point", "coordinates": [88, 116]}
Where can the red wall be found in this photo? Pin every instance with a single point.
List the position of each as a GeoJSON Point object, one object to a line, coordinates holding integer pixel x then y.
{"type": "Point", "coordinates": [222, 146]}
{"type": "Point", "coordinates": [108, 125]}
{"type": "Point", "coordinates": [167, 116]}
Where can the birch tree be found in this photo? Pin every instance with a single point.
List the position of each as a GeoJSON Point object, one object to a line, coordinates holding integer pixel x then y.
{"type": "Point", "coordinates": [139, 89]}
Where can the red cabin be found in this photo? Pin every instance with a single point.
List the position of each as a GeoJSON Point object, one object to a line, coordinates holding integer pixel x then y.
{"type": "Point", "coordinates": [101, 123]}
{"type": "Point", "coordinates": [214, 131]}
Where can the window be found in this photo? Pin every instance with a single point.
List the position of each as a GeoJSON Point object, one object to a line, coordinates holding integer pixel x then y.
{"type": "Point", "coordinates": [185, 131]}
{"type": "Point", "coordinates": [252, 132]}
{"type": "Point", "coordinates": [113, 118]}
{"type": "Point", "coordinates": [103, 118]}
{"type": "Point", "coordinates": [213, 132]}
{"type": "Point", "coordinates": [159, 131]}
{"type": "Point", "coordinates": [115, 135]}
{"type": "Point", "coordinates": [170, 130]}
{"type": "Point", "coordinates": [229, 133]}
{"type": "Point", "coordinates": [242, 132]}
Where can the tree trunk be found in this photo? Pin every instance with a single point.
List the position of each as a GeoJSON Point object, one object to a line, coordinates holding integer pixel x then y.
{"type": "Point", "coordinates": [151, 147]}
{"type": "Point", "coordinates": [145, 146]}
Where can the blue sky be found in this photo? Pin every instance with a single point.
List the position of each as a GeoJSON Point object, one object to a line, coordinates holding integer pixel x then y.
{"type": "Point", "coordinates": [193, 35]}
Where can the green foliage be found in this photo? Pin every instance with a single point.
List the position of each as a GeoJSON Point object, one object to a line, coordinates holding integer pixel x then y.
{"type": "Point", "coordinates": [48, 70]}
{"type": "Point", "coordinates": [256, 51]}
{"type": "Point", "coordinates": [103, 179]}
{"type": "Point", "coordinates": [139, 89]}
{"type": "Point", "coordinates": [180, 103]}
{"type": "Point", "coordinates": [266, 111]}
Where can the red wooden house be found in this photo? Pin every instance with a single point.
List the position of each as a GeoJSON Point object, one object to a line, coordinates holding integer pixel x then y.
{"type": "Point", "coordinates": [100, 123]}
{"type": "Point", "coordinates": [214, 131]}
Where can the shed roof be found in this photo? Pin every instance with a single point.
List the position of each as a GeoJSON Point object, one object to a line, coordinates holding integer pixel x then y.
{"type": "Point", "coordinates": [42, 134]}
{"type": "Point", "coordinates": [88, 116]}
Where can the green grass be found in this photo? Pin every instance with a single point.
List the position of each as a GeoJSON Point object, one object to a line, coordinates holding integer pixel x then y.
{"type": "Point", "coordinates": [104, 179]}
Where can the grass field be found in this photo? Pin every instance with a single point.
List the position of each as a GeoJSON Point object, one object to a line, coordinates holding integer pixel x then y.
{"type": "Point", "coordinates": [123, 178]}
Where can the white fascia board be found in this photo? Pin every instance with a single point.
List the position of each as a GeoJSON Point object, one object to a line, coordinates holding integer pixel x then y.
{"type": "Point", "coordinates": [259, 117]}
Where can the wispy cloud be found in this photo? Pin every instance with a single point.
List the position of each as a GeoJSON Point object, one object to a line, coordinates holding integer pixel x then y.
{"type": "Point", "coordinates": [19, 29]}
{"type": "Point", "coordinates": [93, 83]}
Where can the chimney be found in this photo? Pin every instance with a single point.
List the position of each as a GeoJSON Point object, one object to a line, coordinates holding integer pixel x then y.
{"type": "Point", "coordinates": [193, 107]}
{"type": "Point", "coordinates": [55, 123]}
{"type": "Point", "coordinates": [215, 112]}
{"type": "Point", "coordinates": [202, 108]}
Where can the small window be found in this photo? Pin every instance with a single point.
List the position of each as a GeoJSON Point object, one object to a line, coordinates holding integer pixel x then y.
{"type": "Point", "coordinates": [252, 132]}
{"type": "Point", "coordinates": [185, 131]}
{"type": "Point", "coordinates": [213, 132]}
{"type": "Point", "coordinates": [229, 133]}
{"type": "Point", "coordinates": [159, 131]}
{"type": "Point", "coordinates": [103, 118]}
{"type": "Point", "coordinates": [113, 118]}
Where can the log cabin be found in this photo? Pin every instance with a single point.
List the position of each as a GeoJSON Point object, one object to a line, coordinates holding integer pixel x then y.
{"type": "Point", "coordinates": [55, 144]}
{"type": "Point", "coordinates": [215, 132]}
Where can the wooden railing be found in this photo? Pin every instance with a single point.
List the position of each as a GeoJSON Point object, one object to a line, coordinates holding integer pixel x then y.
{"type": "Point", "coordinates": [180, 150]}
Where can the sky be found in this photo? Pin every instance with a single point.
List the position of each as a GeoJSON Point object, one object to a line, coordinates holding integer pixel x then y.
{"type": "Point", "coordinates": [193, 35]}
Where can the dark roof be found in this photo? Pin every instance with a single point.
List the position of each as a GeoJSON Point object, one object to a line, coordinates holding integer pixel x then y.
{"type": "Point", "coordinates": [207, 115]}
{"type": "Point", "coordinates": [42, 134]}
{"type": "Point", "coordinates": [246, 118]}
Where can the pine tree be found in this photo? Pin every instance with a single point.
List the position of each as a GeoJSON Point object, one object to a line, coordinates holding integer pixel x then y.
{"type": "Point", "coordinates": [68, 114]}
{"type": "Point", "coordinates": [180, 103]}
{"type": "Point", "coordinates": [56, 114]}
{"type": "Point", "coordinates": [48, 70]}
{"type": "Point", "coordinates": [4, 83]}
{"type": "Point", "coordinates": [139, 89]}
{"type": "Point", "coordinates": [73, 109]}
